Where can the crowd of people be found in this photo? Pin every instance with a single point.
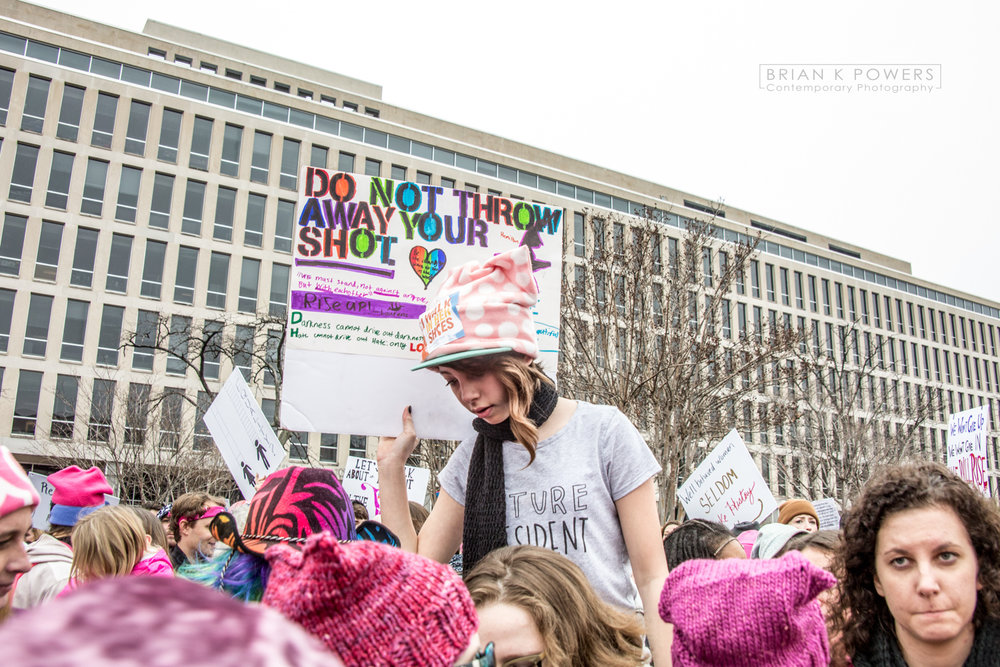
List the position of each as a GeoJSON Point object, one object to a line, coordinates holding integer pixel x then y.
{"type": "Point", "coordinates": [300, 575]}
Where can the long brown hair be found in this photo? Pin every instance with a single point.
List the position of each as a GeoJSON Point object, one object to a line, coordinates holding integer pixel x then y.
{"type": "Point", "coordinates": [577, 627]}
{"type": "Point", "coordinates": [521, 379]}
{"type": "Point", "coordinates": [860, 610]}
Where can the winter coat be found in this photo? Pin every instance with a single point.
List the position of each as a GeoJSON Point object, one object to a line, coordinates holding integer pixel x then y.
{"type": "Point", "coordinates": [51, 561]}
{"type": "Point", "coordinates": [157, 565]}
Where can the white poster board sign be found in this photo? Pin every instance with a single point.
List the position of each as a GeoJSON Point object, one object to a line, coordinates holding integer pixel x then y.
{"type": "Point", "coordinates": [967, 433]}
{"type": "Point", "coordinates": [361, 483]}
{"type": "Point", "coordinates": [727, 486]}
{"type": "Point", "coordinates": [828, 512]}
{"type": "Point", "coordinates": [369, 254]}
{"type": "Point", "coordinates": [40, 517]}
{"type": "Point", "coordinates": [243, 435]}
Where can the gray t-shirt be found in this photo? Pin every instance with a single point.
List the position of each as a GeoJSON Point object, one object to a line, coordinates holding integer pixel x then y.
{"type": "Point", "coordinates": [565, 500]}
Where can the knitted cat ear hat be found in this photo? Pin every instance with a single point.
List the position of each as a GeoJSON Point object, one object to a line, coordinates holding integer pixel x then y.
{"type": "Point", "coordinates": [16, 491]}
{"type": "Point", "coordinates": [738, 612]}
{"type": "Point", "coordinates": [374, 605]}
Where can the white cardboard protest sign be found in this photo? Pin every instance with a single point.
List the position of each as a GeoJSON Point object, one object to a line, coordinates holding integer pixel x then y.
{"type": "Point", "coordinates": [361, 483]}
{"type": "Point", "coordinates": [243, 435]}
{"type": "Point", "coordinates": [967, 433]}
{"type": "Point", "coordinates": [369, 254]}
{"type": "Point", "coordinates": [727, 486]}
{"type": "Point", "coordinates": [40, 517]}
{"type": "Point", "coordinates": [828, 512]}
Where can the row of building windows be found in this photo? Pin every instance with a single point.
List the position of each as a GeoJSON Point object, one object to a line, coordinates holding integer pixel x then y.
{"type": "Point", "coordinates": [229, 206]}
{"type": "Point", "coordinates": [851, 303]}
{"type": "Point", "coordinates": [119, 250]}
{"type": "Point", "coordinates": [350, 131]}
{"type": "Point", "coordinates": [106, 396]}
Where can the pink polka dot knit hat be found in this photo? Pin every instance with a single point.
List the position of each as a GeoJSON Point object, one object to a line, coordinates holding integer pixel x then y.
{"type": "Point", "coordinates": [747, 612]}
{"type": "Point", "coordinates": [16, 491]}
{"type": "Point", "coordinates": [482, 308]}
{"type": "Point", "coordinates": [373, 604]}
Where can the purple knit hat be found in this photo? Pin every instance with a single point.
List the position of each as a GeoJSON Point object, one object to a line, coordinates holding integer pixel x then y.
{"type": "Point", "coordinates": [747, 612]}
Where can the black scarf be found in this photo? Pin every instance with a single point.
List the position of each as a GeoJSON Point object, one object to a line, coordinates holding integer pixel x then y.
{"type": "Point", "coordinates": [883, 649]}
{"type": "Point", "coordinates": [485, 526]}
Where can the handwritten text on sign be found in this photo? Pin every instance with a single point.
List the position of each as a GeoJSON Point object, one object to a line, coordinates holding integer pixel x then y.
{"type": "Point", "coordinates": [967, 432]}
{"type": "Point", "coordinates": [369, 254]}
{"type": "Point", "coordinates": [361, 483]}
{"type": "Point", "coordinates": [727, 487]}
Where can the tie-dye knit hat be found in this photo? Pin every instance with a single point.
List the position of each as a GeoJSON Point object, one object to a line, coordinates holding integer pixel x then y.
{"type": "Point", "coordinates": [156, 622]}
{"type": "Point", "coordinates": [738, 612]}
{"type": "Point", "coordinates": [374, 605]}
{"type": "Point", "coordinates": [15, 489]}
{"type": "Point", "coordinates": [290, 505]}
{"type": "Point", "coordinates": [482, 308]}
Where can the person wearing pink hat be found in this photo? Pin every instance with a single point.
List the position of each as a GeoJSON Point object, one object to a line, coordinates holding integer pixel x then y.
{"type": "Point", "coordinates": [18, 499]}
{"type": "Point", "coordinates": [543, 470]}
{"type": "Point", "coordinates": [76, 492]}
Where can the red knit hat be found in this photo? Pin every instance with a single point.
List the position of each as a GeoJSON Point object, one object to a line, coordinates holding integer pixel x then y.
{"type": "Point", "coordinates": [374, 605]}
{"type": "Point", "coordinates": [75, 489]}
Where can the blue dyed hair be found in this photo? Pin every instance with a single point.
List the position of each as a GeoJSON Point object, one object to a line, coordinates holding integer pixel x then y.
{"type": "Point", "coordinates": [241, 576]}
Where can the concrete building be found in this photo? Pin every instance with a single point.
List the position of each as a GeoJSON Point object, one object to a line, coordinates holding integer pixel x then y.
{"type": "Point", "coordinates": [155, 174]}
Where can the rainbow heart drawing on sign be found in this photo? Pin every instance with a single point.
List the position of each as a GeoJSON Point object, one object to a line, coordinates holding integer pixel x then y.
{"type": "Point", "coordinates": [427, 263]}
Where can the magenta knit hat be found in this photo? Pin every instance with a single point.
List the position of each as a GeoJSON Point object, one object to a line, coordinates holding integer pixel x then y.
{"type": "Point", "coordinates": [156, 622]}
{"type": "Point", "coordinates": [76, 489]}
{"type": "Point", "coordinates": [482, 308]}
{"type": "Point", "coordinates": [747, 612]}
{"type": "Point", "coordinates": [374, 605]}
{"type": "Point", "coordinates": [15, 489]}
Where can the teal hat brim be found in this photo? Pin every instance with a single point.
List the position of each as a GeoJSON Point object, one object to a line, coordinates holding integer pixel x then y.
{"type": "Point", "coordinates": [457, 356]}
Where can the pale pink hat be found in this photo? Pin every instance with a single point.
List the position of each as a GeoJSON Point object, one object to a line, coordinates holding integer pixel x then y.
{"type": "Point", "coordinates": [15, 489]}
{"type": "Point", "coordinates": [482, 308]}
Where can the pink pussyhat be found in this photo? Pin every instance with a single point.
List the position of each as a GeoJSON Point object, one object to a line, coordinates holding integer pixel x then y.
{"type": "Point", "coordinates": [482, 308]}
{"type": "Point", "coordinates": [734, 612]}
{"type": "Point", "coordinates": [76, 489]}
{"type": "Point", "coordinates": [15, 489]}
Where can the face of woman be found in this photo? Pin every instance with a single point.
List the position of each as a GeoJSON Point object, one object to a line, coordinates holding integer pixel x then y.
{"type": "Point", "coordinates": [805, 522]}
{"type": "Point", "coordinates": [512, 631]}
{"type": "Point", "coordinates": [480, 393]}
{"type": "Point", "coordinates": [927, 571]}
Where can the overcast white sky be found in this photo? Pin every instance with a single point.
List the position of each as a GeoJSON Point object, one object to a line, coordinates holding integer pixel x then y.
{"type": "Point", "coordinates": [669, 92]}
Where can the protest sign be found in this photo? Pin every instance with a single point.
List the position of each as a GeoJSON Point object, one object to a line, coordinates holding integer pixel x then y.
{"type": "Point", "coordinates": [243, 435]}
{"type": "Point", "coordinates": [361, 483]}
{"type": "Point", "coordinates": [727, 487]}
{"type": "Point", "coordinates": [967, 433]}
{"type": "Point", "coordinates": [828, 512]}
{"type": "Point", "coordinates": [40, 517]}
{"type": "Point", "coordinates": [369, 255]}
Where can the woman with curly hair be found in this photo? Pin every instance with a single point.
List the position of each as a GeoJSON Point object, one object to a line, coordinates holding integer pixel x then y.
{"type": "Point", "coordinates": [536, 607]}
{"type": "Point", "coordinates": [919, 572]}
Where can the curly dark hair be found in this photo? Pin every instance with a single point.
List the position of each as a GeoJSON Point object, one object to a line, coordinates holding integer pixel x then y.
{"type": "Point", "coordinates": [695, 538]}
{"type": "Point", "coordinates": [860, 610]}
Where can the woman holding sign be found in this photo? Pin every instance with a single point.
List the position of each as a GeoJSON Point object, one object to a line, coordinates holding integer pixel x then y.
{"type": "Point", "coordinates": [565, 475]}
{"type": "Point", "coordinates": [920, 572]}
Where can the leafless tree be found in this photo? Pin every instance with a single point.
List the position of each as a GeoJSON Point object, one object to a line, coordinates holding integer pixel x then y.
{"type": "Point", "coordinates": [858, 411]}
{"type": "Point", "coordinates": [148, 445]}
{"type": "Point", "coordinates": [647, 325]}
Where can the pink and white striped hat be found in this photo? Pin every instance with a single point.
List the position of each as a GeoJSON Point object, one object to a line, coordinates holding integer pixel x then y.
{"type": "Point", "coordinates": [15, 489]}
{"type": "Point", "coordinates": [482, 308]}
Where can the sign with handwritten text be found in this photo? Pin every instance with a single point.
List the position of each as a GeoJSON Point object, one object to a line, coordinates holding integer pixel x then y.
{"type": "Point", "coordinates": [369, 254]}
{"type": "Point", "coordinates": [361, 483]}
{"type": "Point", "coordinates": [243, 435]}
{"type": "Point", "coordinates": [967, 433]}
{"type": "Point", "coordinates": [727, 487]}
{"type": "Point", "coordinates": [828, 512]}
